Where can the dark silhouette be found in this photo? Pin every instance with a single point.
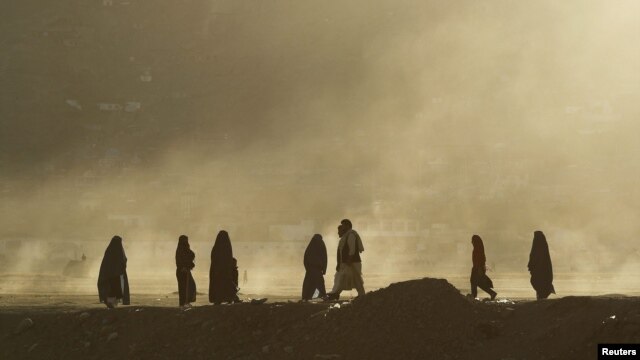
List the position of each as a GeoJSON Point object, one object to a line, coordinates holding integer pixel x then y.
{"type": "Point", "coordinates": [223, 275]}
{"type": "Point", "coordinates": [76, 268]}
{"type": "Point", "coordinates": [479, 278]}
{"type": "Point", "coordinates": [315, 264]}
{"type": "Point", "coordinates": [540, 266]}
{"type": "Point", "coordinates": [113, 283]}
{"type": "Point", "coordinates": [235, 276]}
{"type": "Point", "coordinates": [349, 268]}
{"type": "Point", "coordinates": [184, 264]}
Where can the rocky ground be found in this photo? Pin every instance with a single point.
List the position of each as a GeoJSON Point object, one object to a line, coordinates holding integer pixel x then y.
{"type": "Point", "coordinates": [418, 319]}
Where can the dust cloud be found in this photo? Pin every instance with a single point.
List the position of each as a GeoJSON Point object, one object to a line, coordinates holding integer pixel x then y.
{"type": "Point", "coordinates": [424, 122]}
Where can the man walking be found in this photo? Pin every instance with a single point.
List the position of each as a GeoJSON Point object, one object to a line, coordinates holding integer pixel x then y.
{"type": "Point", "coordinates": [349, 269]}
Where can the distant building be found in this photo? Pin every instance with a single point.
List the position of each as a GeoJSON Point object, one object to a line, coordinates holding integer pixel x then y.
{"type": "Point", "coordinates": [132, 106]}
{"type": "Point", "coordinates": [128, 220]}
{"type": "Point", "coordinates": [291, 232]}
{"type": "Point", "coordinates": [146, 77]}
{"type": "Point", "coordinates": [180, 95]}
{"type": "Point", "coordinates": [62, 25]}
{"type": "Point", "coordinates": [74, 103]}
{"type": "Point", "coordinates": [71, 42]}
{"type": "Point", "coordinates": [186, 205]}
{"type": "Point", "coordinates": [109, 107]}
{"type": "Point", "coordinates": [399, 233]}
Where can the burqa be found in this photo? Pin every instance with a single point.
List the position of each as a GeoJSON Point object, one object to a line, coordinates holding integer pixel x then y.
{"type": "Point", "coordinates": [112, 280]}
{"type": "Point", "coordinates": [540, 266]}
{"type": "Point", "coordinates": [479, 278]}
{"type": "Point", "coordinates": [223, 275]}
{"type": "Point", "coordinates": [184, 264]}
{"type": "Point", "coordinates": [315, 264]}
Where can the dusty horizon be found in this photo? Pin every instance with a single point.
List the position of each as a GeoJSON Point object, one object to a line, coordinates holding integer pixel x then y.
{"type": "Point", "coordinates": [424, 122]}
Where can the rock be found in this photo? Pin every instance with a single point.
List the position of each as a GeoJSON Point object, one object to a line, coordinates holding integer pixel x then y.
{"type": "Point", "coordinates": [112, 336]}
{"type": "Point", "coordinates": [84, 316]}
{"type": "Point", "coordinates": [288, 349]}
{"type": "Point", "coordinates": [23, 326]}
{"type": "Point", "coordinates": [488, 329]}
{"type": "Point", "coordinates": [319, 313]}
{"type": "Point", "coordinates": [106, 330]}
{"type": "Point", "coordinates": [32, 347]}
{"type": "Point", "coordinates": [266, 349]}
{"type": "Point", "coordinates": [507, 312]}
{"type": "Point", "coordinates": [109, 319]}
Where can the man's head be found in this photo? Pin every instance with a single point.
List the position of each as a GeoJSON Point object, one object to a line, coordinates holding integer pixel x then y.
{"type": "Point", "coordinates": [347, 224]}
{"type": "Point", "coordinates": [341, 230]}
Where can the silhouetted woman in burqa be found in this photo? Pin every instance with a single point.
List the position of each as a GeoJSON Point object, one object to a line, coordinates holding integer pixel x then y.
{"type": "Point", "coordinates": [315, 264]}
{"type": "Point", "coordinates": [479, 278]}
{"type": "Point", "coordinates": [540, 266]}
{"type": "Point", "coordinates": [223, 275]}
{"type": "Point", "coordinates": [184, 263]}
{"type": "Point", "coordinates": [113, 283]}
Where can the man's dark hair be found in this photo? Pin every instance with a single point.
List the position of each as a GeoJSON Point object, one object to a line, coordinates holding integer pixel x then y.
{"type": "Point", "coordinates": [347, 223]}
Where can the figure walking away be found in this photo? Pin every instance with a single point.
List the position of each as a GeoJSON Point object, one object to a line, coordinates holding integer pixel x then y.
{"type": "Point", "coordinates": [184, 264]}
{"type": "Point", "coordinates": [540, 266]}
{"type": "Point", "coordinates": [223, 274]}
{"type": "Point", "coordinates": [113, 283]}
{"type": "Point", "coordinates": [479, 278]}
{"type": "Point", "coordinates": [349, 268]}
{"type": "Point", "coordinates": [315, 264]}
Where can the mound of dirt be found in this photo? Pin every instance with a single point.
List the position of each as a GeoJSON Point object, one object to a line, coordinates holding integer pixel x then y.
{"type": "Point", "coordinates": [426, 318]}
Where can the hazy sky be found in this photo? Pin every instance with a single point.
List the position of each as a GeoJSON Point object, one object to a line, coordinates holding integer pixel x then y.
{"type": "Point", "coordinates": [493, 115]}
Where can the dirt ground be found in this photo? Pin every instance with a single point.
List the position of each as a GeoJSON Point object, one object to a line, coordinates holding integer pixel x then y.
{"type": "Point", "coordinates": [417, 319]}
